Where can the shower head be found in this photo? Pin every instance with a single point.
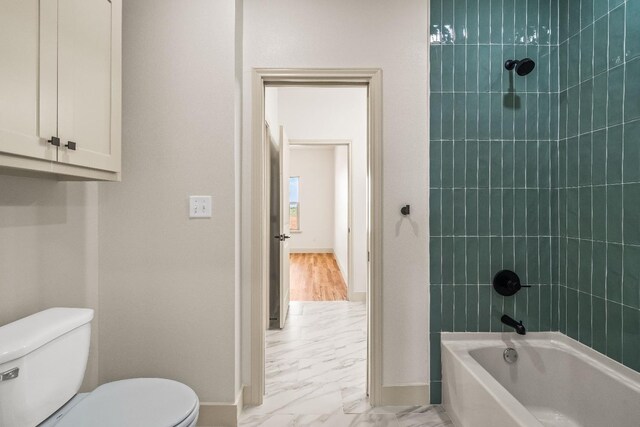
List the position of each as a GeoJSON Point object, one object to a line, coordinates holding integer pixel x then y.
{"type": "Point", "coordinates": [523, 66]}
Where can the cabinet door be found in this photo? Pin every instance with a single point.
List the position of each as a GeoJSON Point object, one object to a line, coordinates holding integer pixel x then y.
{"type": "Point", "coordinates": [28, 81]}
{"type": "Point", "coordinates": [86, 68]}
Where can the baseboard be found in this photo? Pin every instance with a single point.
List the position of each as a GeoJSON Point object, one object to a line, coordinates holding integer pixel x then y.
{"type": "Point", "coordinates": [246, 396]}
{"type": "Point", "coordinates": [405, 395]}
{"type": "Point", "coordinates": [358, 296]}
{"type": "Point", "coordinates": [342, 270]}
{"type": "Point", "coordinates": [239, 404]}
{"type": "Point", "coordinates": [217, 415]}
{"type": "Point", "coordinates": [221, 414]}
{"type": "Point", "coordinates": [311, 251]}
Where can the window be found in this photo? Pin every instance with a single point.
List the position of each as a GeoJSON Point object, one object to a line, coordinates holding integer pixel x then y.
{"type": "Point", "coordinates": [294, 203]}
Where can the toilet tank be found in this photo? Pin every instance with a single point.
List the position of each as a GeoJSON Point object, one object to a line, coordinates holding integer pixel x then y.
{"type": "Point", "coordinates": [43, 358]}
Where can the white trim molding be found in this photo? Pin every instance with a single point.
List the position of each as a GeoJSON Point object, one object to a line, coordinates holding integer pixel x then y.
{"type": "Point", "coordinates": [221, 414]}
{"type": "Point", "coordinates": [372, 79]}
{"type": "Point", "coordinates": [405, 395]}
{"type": "Point", "coordinates": [358, 297]}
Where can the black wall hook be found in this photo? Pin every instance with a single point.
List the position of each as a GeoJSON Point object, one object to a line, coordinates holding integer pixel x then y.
{"type": "Point", "coordinates": [405, 210]}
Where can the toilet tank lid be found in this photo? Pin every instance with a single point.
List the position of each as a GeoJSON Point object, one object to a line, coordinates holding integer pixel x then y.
{"type": "Point", "coordinates": [23, 336]}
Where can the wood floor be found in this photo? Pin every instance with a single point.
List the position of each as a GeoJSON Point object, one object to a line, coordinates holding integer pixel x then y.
{"type": "Point", "coordinates": [316, 277]}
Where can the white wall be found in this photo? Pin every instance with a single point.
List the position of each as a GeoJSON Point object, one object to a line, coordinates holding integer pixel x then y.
{"type": "Point", "coordinates": [341, 210]}
{"type": "Point", "coordinates": [392, 36]}
{"type": "Point", "coordinates": [169, 287]}
{"type": "Point", "coordinates": [169, 284]}
{"type": "Point", "coordinates": [49, 251]}
{"type": "Point", "coordinates": [315, 167]}
{"type": "Point", "coordinates": [335, 114]}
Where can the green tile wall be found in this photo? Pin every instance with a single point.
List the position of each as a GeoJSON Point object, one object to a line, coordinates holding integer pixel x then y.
{"type": "Point", "coordinates": [493, 147]}
{"type": "Point", "coordinates": [539, 174]}
{"type": "Point", "coordinates": [599, 176]}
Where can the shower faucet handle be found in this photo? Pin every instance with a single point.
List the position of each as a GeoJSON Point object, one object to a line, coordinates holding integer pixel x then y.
{"type": "Point", "coordinates": [507, 283]}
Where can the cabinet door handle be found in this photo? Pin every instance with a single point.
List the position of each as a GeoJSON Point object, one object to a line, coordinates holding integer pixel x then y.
{"type": "Point", "coordinates": [71, 145]}
{"type": "Point", "coordinates": [54, 141]}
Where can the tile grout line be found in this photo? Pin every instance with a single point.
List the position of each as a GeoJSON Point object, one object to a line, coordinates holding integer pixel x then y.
{"type": "Point", "coordinates": [538, 172]}
{"type": "Point", "coordinates": [441, 241]}
{"type": "Point", "coordinates": [513, 130]}
{"type": "Point", "coordinates": [579, 35]}
{"type": "Point", "coordinates": [466, 257]}
{"type": "Point", "coordinates": [526, 180]}
{"type": "Point", "coordinates": [478, 175]}
{"type": "Point", "coordinates": [591, 173]}
{"type": "Point", "coordinates": [489, 165]}
{"type": "Point", "coordinates": [624, 90]}
{"type": "Point", "coordinates": [453, 133]}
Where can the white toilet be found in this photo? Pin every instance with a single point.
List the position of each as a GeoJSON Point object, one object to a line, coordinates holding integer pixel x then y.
{"type": "Point", "coordinates": [43, 358]}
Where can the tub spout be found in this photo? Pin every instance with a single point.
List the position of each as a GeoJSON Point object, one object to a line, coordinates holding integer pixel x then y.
{"type": "Point", "coordinates": [518, 326]}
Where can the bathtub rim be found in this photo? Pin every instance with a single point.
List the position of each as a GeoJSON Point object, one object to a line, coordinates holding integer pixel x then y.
{"type": "Point", "coordinates": [466, 341]}
{"type": "Point", "coordinates": [459, 345]}
{"type": "Point", "coordinates": [507, 402]}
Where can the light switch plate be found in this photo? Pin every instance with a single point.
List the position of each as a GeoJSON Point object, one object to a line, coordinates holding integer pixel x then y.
{"type": "Point", "coordinates": [199, 206]}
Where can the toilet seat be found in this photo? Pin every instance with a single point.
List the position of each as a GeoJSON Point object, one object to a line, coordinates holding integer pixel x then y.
{"type": "Point", "coordinates": [140, 402]}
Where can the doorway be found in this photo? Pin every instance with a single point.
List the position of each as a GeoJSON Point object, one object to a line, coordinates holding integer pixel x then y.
{"type": "Point", "coordinates": [371, 80]}
{"type": "Point", "coordinates": [317, 139]}
{"type": "Point", "coordinates": [321, 206]}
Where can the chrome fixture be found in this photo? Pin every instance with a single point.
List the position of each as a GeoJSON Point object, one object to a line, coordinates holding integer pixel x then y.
{"type": "Point", "coordinates": [510, 355]}
{"type": "Point", "coordinates": [10, 374]}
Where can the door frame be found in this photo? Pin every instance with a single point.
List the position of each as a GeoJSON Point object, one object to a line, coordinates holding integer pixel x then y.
{"type": "Point", "coordinates": [372, 79]}
{"type": "Point", "coordinates": [339, 143]}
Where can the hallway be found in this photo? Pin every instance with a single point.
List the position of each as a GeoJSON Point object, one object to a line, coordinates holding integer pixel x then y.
{"type": "Point", "coordinates": [316, 277]}
{"type": "Point", "coordinates": [316, 374]}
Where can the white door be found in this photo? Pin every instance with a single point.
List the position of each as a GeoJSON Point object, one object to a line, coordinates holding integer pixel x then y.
{"type": "Point", "coordinates": [285, 226]}
{"type": "Point", "coordinates": [28, 78]}
{"type": "Point", "coordinates": [85, 84]}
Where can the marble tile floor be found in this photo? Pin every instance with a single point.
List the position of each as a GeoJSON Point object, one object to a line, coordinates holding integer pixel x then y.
{"type": "Point", "coordinates": [316, 374]}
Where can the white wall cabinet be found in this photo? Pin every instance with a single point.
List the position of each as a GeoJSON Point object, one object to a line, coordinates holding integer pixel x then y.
{"type": "Point", "coordinates": [60, 88]}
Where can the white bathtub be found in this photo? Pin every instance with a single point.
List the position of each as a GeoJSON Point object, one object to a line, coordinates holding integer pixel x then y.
{"type": "Point", "coordinates": [556, 381]}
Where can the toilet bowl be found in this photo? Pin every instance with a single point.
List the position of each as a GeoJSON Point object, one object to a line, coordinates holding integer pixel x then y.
{"type": "Point", "coordinates": [42, 363]}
